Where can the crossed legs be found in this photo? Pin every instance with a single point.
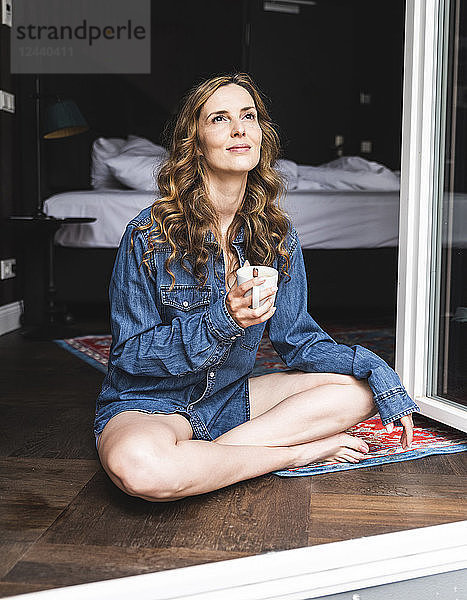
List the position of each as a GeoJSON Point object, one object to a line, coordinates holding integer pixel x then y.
{"type": "Point", "coordinates": [296, 418]}
{"type": "Point", "coordinates": [294, 407]}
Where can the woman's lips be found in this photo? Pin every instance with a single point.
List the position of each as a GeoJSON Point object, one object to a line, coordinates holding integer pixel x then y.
{"type": "Point", "coordinates": [240, 150]}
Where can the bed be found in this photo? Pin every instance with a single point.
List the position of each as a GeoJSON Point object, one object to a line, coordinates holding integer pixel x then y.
{"type": "Point", "coordinates": [324, 220]}
{"type": "Point", "coordinates": [346, 213]}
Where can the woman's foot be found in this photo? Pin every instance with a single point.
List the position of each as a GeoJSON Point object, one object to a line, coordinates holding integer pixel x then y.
{"type": "Point", "coordinates": [341, 447]}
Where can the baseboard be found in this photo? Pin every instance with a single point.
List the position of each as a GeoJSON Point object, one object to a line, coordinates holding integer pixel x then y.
{"type": "Point", "coordinates": [10, 316]}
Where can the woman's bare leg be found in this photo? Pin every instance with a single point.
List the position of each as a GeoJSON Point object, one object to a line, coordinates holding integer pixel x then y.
{"type": "Point", "coordinates": [153, 456]}
{"type": "Point", "coordinates": [307, 415]}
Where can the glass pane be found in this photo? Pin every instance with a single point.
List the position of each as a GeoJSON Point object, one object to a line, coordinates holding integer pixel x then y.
{"type": "Point", "coordinates": [449, 370]}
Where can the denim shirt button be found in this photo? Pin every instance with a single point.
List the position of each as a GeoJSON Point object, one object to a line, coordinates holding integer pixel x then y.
{"type": "Point", "coordinates": [222, 291]}
{"type": "Point", "coordinates": [211, 374]}
{"type": "Point", "coordinates": [185, 303]}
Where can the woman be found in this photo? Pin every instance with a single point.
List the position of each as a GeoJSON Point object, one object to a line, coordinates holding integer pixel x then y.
{"type": "Point", "coordinates": [178, 414]}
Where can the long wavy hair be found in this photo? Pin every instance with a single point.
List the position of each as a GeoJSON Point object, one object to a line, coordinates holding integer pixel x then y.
{"type": "Point", "coordinates": [185, 212]}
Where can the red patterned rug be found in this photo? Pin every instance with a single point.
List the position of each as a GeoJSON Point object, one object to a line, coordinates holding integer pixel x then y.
{"type": "Point", "coordinates": [384, 447]}
{"type": "Point", "coordinates": [94, 349]}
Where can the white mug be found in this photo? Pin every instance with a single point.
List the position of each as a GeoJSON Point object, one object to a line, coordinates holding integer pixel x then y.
{"type": "Point", "coordinates": [270, 275]}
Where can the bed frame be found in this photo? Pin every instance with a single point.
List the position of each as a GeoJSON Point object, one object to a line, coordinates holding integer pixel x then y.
{"type": "Point", "coordinates": [338, 280]}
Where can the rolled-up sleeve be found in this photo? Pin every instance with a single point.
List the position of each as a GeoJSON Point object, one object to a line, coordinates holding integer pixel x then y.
{"type": "Point", "coordinates": [303, 344]}
{"type": "Point", "coordinates": [141, 344]}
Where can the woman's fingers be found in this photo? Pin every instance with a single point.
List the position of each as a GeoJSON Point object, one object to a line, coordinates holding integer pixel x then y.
{"type": "Point", "coordinates": [407, 424]}
{"type": "Point", "coordinates": [407, 431]}
{"type": "Point", "coordinates": [260, 314]}
{"type": "Point", "coordinates": [238, 304]}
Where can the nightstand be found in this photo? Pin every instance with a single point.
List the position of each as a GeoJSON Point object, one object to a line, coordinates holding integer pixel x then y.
{"type": "Point", "coordinates": [43, 319]}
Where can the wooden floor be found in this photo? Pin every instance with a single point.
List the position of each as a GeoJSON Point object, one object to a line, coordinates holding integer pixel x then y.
{"type": "Point", "coordinates": [63, 522]}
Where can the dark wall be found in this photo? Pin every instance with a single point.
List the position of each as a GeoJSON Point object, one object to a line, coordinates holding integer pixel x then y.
{"type": "Point", "coordinates": [312, 66]}
{"type": "Point", "coordinates": [379, 69]}
{"type": "Point", "coordinates": [9, 288]}
{"type": "Point", "coordinates": [190, 41]}
{"type": "Point", "coordinates": [305, 63]}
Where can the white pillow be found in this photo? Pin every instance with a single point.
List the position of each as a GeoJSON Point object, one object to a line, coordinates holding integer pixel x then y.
{"type": "Point", "coordinates": [136, 171]}
{"type": "Point", "coordinates": [139, 146]}
{"type": "Point", "coordinates": [356, 163]}
{"type": "Point", "coordinates": [289, 170]}
{"type": "Point", "coordinates": [138, 163]}
{"type": "Point", "coordinates": [101, 175]}
{"type": "Point", "coordinates": [348, 173]}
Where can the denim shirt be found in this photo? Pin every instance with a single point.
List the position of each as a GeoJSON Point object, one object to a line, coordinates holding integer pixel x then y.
{"type": "Point", "coordinates": [184, 344]}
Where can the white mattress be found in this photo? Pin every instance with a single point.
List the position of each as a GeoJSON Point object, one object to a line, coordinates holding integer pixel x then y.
{"type": "Point", "coordinates": [324, 220]}
{"type": "Point", "coordinates": [113, 210]}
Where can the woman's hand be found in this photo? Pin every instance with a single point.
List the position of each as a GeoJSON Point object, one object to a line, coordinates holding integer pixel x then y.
{"type": "Point", "coordinates": [239, 306]}
{"type": "Point", "coordinates": [407, 433]}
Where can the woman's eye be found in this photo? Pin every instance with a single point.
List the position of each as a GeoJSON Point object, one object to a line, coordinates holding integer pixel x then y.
{"type": "Point", "coordinates": [251, 115]}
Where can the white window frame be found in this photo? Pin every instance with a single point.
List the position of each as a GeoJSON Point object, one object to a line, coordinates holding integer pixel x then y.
{"type": "Point", "coordinates": [423, 119]}
{"type": "Point", "coordinates": [298, 574]}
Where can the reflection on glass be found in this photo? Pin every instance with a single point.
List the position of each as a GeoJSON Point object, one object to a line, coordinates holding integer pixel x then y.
{"type": "Point", "coordinates": [449, 373]}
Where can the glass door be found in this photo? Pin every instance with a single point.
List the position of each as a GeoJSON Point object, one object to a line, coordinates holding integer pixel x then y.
{"type": "Point", "coordinates": [431, 326]}
{"type": "Point", "coordinates": [448, 379]}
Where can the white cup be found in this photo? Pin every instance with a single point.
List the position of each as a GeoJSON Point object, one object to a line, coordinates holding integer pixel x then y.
{"type": "Point", "coordinates": [268, 273]}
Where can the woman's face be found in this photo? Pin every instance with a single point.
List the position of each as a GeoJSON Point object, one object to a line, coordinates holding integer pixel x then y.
{"type": "Point", "coordinates": [229, 133]}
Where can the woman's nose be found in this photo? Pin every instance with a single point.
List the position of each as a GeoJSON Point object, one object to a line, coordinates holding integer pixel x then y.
{"type": "Point", "coordinates": [238, 128]}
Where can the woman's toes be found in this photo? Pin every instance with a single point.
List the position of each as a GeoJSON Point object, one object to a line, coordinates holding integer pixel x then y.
{"type": "Point", "coordinates": [341, 447]}
{"type": "Point", "coordinates": [355, 456]}
{"type": "Point", "coordinates": [349, 441]}
{"type": "Point", "coordinates": [347, 459]}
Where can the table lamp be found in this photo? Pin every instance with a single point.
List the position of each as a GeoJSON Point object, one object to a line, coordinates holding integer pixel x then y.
{"type": "Point", "coordinates": [63, 119]}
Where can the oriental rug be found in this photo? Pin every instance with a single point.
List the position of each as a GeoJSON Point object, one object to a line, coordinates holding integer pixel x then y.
{"type": "Point", "coordinates": [384, 447]}
{"type": "Point", "coordinates": [94, 349]}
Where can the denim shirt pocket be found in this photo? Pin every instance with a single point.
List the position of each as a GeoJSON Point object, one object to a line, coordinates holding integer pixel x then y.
{"type": "Point", "coordinates": [183, 300]}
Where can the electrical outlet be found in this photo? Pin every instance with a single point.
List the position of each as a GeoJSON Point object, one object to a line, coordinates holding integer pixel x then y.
{"type": "Point", "coordinates": [365, 98]}
{"type": "Point", "coordinates": [8, 268]}
{"type": "Point", "coordinates": [338, 140]}
{"type": "Point", "coordinates": [6, 12]}
{"type": "Point", "coordinates": [7, 102]}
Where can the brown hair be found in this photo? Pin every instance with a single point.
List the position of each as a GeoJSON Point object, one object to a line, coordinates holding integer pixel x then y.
{"type": "Point", "coordinates": [185, 213]}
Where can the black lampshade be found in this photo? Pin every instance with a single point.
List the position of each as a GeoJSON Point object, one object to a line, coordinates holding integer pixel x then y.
{"type": "Point", "coordinates": [63, 119]}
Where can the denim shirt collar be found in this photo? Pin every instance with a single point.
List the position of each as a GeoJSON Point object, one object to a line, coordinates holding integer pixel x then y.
{"type": "Point", "coordinates": [210, 239]}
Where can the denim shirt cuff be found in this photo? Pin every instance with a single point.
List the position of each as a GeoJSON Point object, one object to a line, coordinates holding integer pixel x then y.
{"type": "Point", "coordinates": [394, 404]}
{"type": "Point", "coordinates": [221, 323]}
{"type": "Point", "coordinates": [390, 396]}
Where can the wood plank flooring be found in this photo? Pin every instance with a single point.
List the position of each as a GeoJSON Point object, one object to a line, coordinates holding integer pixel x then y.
{"type": "Point", "coordinates": [63, 522]}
